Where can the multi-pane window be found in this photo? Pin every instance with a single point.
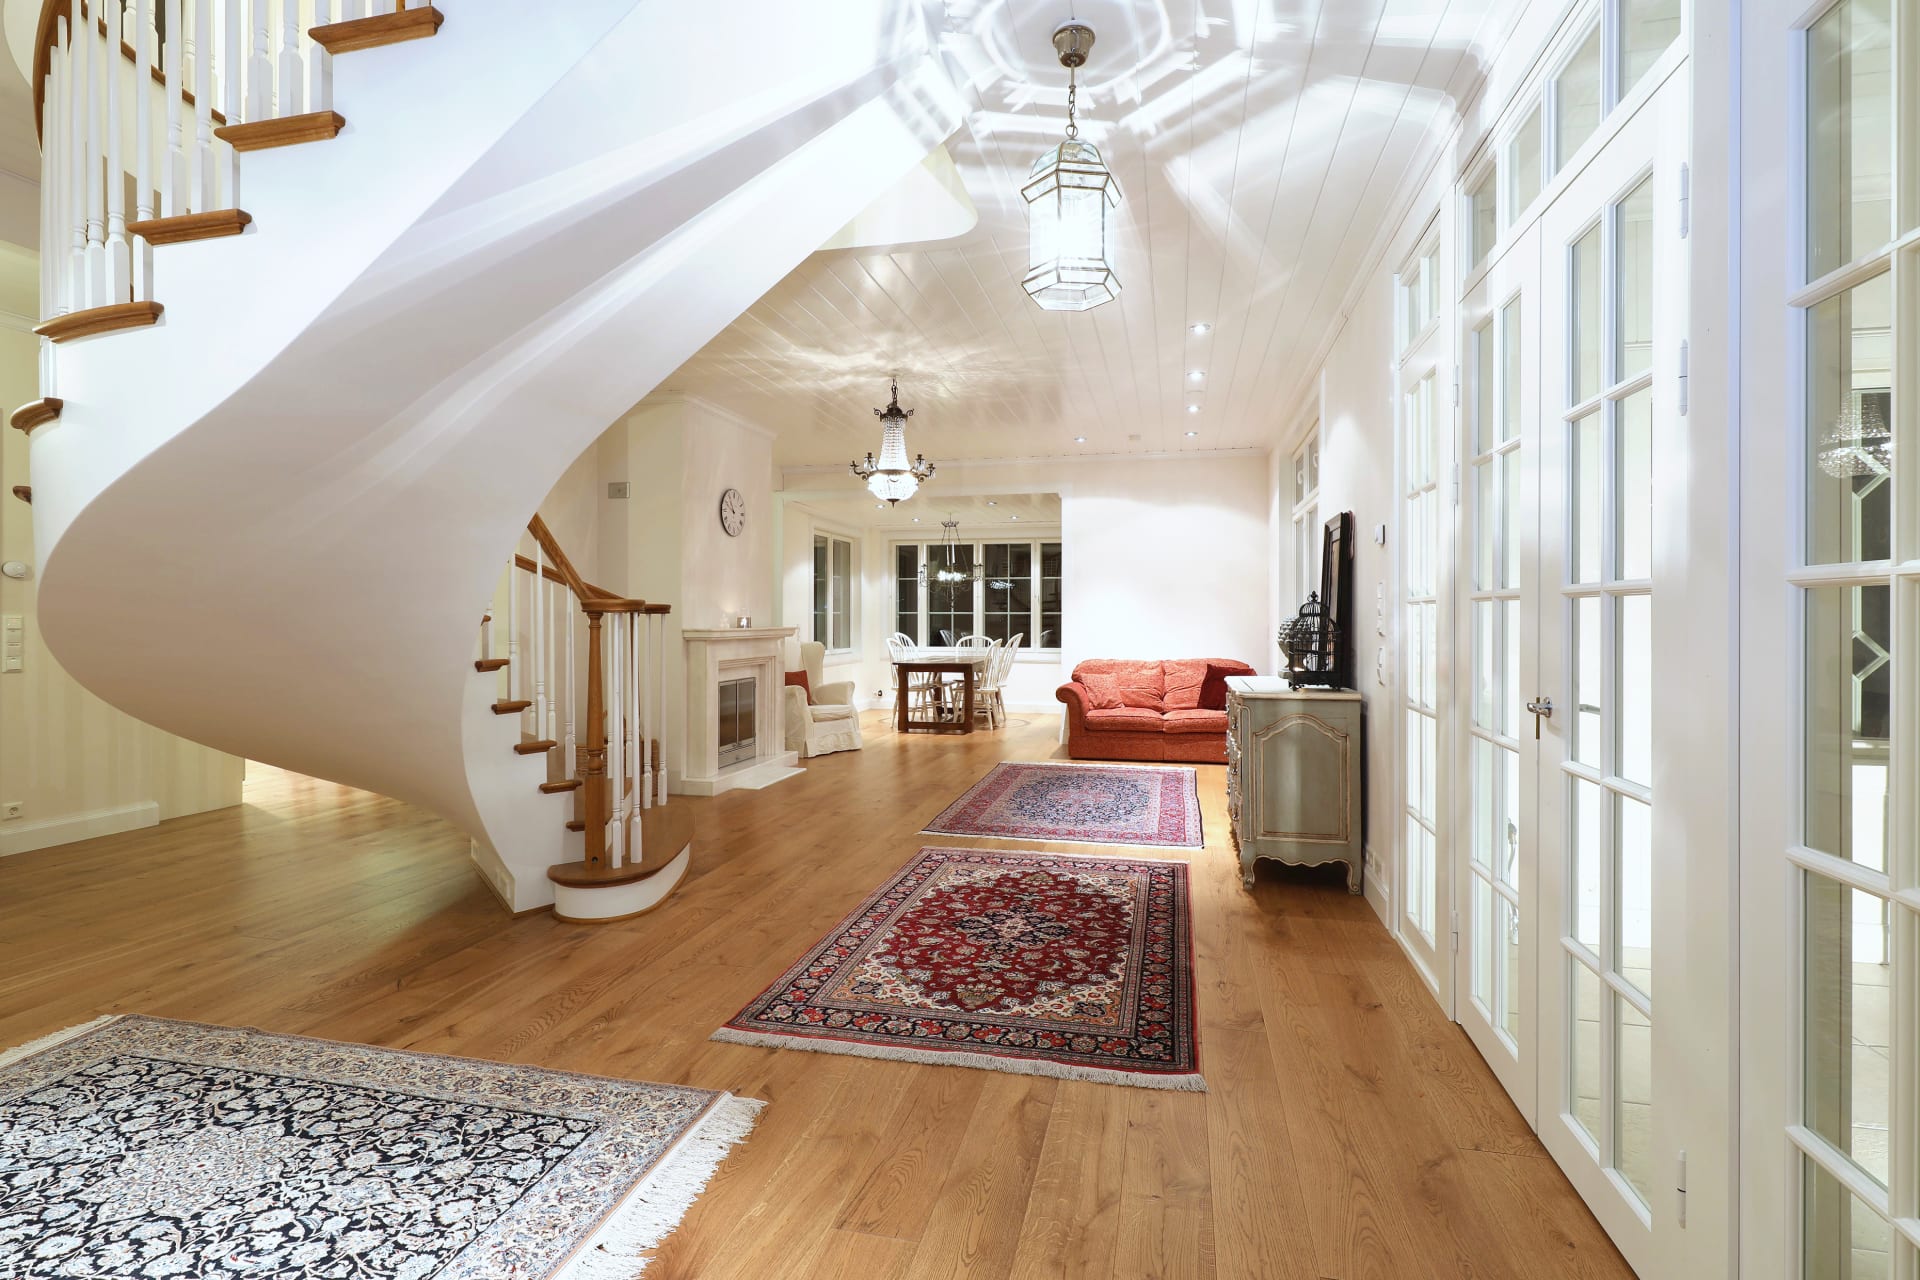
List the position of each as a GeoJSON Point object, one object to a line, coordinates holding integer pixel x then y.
{"type": "Point", "coordinates": [1482, 223]}
{"type": "Point", "coordinates": [1420, 661]}
{"type": "Point", "coordinates": [1525, 163]}
{"type": "Point", "coordinates": [1304, 494]}
{"type": "Point", "coordinates": [1014, 592]}
{"type": "Point", "coordinates": [1859, 589]}
{"type": "Point", "coordinates": [1419, 286]}
{"type": "Point", "coordinates": [1577, 105]}
{"type": "Point", "coordinates": [833, 592]}
{"type": "Point", "coordinates": [1494, 749]}
{"type": "Point", "coordinates": [1607, 774]}
{"type": "Point", "coordinates": [1646, 28]}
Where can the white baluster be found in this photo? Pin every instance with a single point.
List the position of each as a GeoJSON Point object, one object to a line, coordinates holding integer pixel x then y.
{"type": "Point", "coordinates": [486, 632]}
{"type": "Point", "coordinates": [173, 163]}
{"type": "Point", "coordinates": [659, 621]}
{"type": "Point", "coordinates": [539, 707]}
{"type": "Point", "coordinates": [514, 678]}
{"type": "Point", "coordinates": [259, 66]}
{"type": "Point", "coordinates": [143, 36]}
{"type": "Point", "coordinates": [203, 166]}
{"type": "Point", "coordinates": [94, 271]}
{"type": "Point", "coordinates": [643, 711]}
{"type": "Point", "coordinates": [292, 71]}
{"type": "Point", "coordinates": [636, 727]}
{"type": "Point", "coordinates": [119, 264]}
{"type": "Point", "coordinates": [320, 63]}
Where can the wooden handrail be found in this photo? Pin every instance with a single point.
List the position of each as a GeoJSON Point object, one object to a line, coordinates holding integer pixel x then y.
{"type": "Point", "coordinates": [551, 545]}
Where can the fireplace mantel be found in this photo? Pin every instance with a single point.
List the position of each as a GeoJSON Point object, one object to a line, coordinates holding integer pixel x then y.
{"type": "Point", "coordinates": [734, 653]}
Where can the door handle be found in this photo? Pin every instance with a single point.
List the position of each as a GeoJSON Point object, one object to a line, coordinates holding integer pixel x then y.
{"type": "Point", "coordinates": [1542, 708]}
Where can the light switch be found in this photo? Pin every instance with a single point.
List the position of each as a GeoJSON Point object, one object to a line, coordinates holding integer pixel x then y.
{"type": "Point", "coordinates": [13, 642]}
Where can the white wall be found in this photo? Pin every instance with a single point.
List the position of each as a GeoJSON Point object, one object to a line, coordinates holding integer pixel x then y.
{"type": "Point", "coordinates": [77, 767]}
{"type": "Point", "coordinates": [1163, 557]}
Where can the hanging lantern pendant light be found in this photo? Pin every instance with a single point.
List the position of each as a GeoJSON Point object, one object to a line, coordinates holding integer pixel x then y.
{"type": "Point", "coordinates": [1073, 205]}
{"type": "Point", "coordinates": [893, 478]}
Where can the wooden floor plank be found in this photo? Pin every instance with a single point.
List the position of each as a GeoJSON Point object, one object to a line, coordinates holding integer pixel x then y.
{"type": "Point", "coordinates": [1349, 1131]}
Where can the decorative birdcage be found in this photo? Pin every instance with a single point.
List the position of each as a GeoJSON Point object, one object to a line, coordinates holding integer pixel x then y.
{"type": "Point", "coordinates": [1310, 642]}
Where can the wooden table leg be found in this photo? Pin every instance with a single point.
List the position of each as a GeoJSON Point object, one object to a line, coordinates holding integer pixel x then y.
{"type": "Point", "coordinates": [900, 699]}
{"type": "Point", "coordinates": [967, 720]}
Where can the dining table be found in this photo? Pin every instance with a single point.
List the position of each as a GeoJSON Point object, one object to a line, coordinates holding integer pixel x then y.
{"type": "Point", "coordinates": [969, 664]}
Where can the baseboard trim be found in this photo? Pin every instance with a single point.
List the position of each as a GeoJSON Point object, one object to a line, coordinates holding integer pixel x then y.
{"type": "Point", "coordinates": [1378, 894]}
{"type": "Point", "coordinates": [78, 826]}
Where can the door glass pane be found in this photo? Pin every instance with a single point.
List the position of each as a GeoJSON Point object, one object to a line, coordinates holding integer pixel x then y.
{"type": "Point", "coordinates": [1633, 1093]}
{"type": "Point", "coordinates": [822, 590]}
{"type": "Point", "coordinates": [1510, 704]}
{"type": "Point", "coordinates": [1481, 227]}
{"type": "Point", "coordinates": [1510, 370]}
{"type": "Point", "coordinates": [1849, 134]}
{"type": "Point", "coordinates": [1484, 426]}
{"type": "Point", "coordinates": [1849, 725]}
{"type": "Point", "coordinates": [1849, 1015]}
{"type": "Point", "coordinates": [1508, 1005]}
{"type": "Point", "coordinates": [1584, 374]}
{"type": "Point", "coordinates": [1589, 861]}
{"type": "Point", "coordinates": [1636, 688]}
{"type": "Point", "coordinates": [1589, 667]}
{"type": "Point", "coordinates": [1049, 637]}
{"type": "Point", "coordinates": [906, 588]}
{"type": "Point", "coordinates": [1486, 524]}
{"type": "Point", "coordinates": [1589, 483]}
{"type": "Point", "coordinates": [1486, 801]}
{"type": "Point", "coordinates": [1633, 258]}
{"type": "Point", "coordinates": [1484, 946]}
{"type": "Point", "coordinates": [1584, 1058]}
{"type": "Point", "coordinates": [1634, 822]}
{"type": "Point", "coordinates": [1849, 425]}
{"type": "Point", "coordinates": [1523, 163]}
{"type": "Point", "coordinates": [1577, 99]}
{"type": "Point", "coordinates": [1510, 520]}
{"type": "Point", "coordinates": [842, 595]}
{"type": "Point", "coordinates": [1508, 850]}
{"type": "Point", "coordinates": [1635, 532]}
{"type": "Point", "coordinates": [1486, 673]}
{"type": "Point", "coordinates": [1647, 27]}
{"type": "Point", "coordinates": [1844, 1238]}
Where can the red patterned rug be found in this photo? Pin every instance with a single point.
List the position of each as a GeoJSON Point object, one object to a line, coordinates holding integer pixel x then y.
{"type": "Point", "coordinates": [1034, 963]}
{"type": "Point", "coordinates": [1148, 805]}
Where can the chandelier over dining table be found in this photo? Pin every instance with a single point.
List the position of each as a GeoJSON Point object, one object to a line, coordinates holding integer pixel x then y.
{"type": "Point", "coordinates": [1073, 205]}
{"type": "Point", "coordinates": [893, 479]}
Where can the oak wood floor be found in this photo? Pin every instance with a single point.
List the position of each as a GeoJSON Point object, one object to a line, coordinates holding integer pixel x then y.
{"type": "Point", "coordinates": [1350, 1132]}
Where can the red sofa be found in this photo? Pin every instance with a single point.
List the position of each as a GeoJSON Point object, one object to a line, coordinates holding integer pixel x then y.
{"type": "Point", "coordinates": [1161, 718]}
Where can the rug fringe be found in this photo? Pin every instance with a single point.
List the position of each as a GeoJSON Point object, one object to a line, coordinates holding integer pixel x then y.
{"type": "Point", "coordinates": [654, 1208]}
{"type": "Point", "coordinates": [1187, 1083]}
{"type": "Point", "coordinates": [46, 1042]}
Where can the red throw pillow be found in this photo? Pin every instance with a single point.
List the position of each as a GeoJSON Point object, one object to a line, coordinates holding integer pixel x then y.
{"type": "Point", "coordinates": [1213, 690]}
{"type": "Point", "coordinates": [1104, 692]}
{"type": "Point", "coordinates": [800, 678]}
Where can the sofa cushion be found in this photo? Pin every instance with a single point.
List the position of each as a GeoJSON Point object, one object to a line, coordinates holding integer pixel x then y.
{"type": "Point", "coordinates": [831, 711]}
{"type": "Point", "coordinates": [1103, 692]}
{"type": "Point", "coordinates": [1140, 681]}
{"type": "Point", "coordinates": [1126, 720]}
{"type": "Point", "coordinates": [1184, 678]}
{"type": "Point", "coordinates": [1196, 720]}
{"type": "Point", "coordinates": [1213, 690]}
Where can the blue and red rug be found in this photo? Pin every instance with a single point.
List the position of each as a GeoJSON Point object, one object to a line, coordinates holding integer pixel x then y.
{"type": "Point", "coordinates": [1153, 806]}
{"type": "Point", "coordinates": [1034, 963]}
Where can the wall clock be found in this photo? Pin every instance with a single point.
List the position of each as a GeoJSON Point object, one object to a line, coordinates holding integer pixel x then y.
{"type": "Point", "coordinates": [733, 512]}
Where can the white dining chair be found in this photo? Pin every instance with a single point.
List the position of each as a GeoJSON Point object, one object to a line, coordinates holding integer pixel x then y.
{"type": "Point", "coordinates": [999, 670]}
{"type": "Point", "coordinates": [922, 688]}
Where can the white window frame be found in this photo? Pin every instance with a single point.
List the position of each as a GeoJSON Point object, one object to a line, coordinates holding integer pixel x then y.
{"type": "Point", "coordinates": [850, 589]}
{"type": "Point", "coordinates": [1304, 512]}
{"type": "Point", "coordinates": [1036, 538]}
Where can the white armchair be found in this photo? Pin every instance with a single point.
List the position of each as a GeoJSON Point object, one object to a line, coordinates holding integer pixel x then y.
{"type": "Point", "coordinates": [830, 722]}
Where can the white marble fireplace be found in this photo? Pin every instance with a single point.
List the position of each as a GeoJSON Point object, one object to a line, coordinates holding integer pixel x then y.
{"type": "Point", "coordinates": [735, 653]}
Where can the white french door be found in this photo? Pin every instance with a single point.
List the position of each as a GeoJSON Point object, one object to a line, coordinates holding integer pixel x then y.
{"type": "Point", "coordinates": [1495, 817]}
{"type": "Point", "coordinates": [1612, 306]}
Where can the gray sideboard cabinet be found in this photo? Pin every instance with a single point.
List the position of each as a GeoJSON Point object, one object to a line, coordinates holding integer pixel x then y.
{"type": "Point", "coordinates": [1293, 775]}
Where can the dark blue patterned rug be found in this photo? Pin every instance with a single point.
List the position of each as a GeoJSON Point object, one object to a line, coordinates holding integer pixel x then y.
{"type": "Point", "coordinates": [144, 1147]}
{"type": "Point", "coordinates": [1154, 806]}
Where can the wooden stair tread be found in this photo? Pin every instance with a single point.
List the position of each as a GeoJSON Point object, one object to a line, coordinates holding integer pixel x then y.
{"type": "Point", "coordinates": [565, 784]}
{"type": "Point", "coordinates": [507, 706]}
{"type": "Point", "coordinates": [191, 226]}
{"type": "Point", "coordinates": [84, 324]}
{"type": "Point", "coordinates": [664, 831]}
{"type": "Point", "coordinates": [284, 131]}
{"type": "Point", "coordinates": [576, 824]}
{"type": "Point", "coordinates": [535, 747]}
{"type": "Point", "coordinates": [35, 413]}
{"type": "Point", "coordinates": [381, 29]}
{"type": "Point", "coordinates": [489, 664]}
{"type": "Point", "coordinates": [24, 492]}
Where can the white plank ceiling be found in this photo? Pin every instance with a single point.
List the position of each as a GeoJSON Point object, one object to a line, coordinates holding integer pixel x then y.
{"type": "Point", "coordinates": [1259, 145]}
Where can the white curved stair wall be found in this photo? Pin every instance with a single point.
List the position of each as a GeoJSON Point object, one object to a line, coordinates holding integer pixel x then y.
{"type": "Point", "coordinates": [270, 522]}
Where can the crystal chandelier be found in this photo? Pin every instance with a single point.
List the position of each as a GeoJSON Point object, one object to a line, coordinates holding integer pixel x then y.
{"type": "Point", "coordinates": [1071, 202]}
{"type": "Point", "coordinates": [949, 570]}
{"type": "Point", "coordinates": [1858, 442]}
{"type": "Point", "coordinates": [893, 478]}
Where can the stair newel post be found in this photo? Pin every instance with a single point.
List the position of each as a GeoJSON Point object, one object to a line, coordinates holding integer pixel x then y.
{"type": "Point", "coordinates": [617, 766]}
{"type": "Point", "coordinates": [593, 756]}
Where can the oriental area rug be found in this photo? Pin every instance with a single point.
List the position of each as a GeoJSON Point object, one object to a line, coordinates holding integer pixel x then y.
{"type": "Point", "coordinates": [1034, 963]}
{"type": "Point", "coordinates": [136, 1146]}
{"type": "Point", "coordinates": [1148, 805]}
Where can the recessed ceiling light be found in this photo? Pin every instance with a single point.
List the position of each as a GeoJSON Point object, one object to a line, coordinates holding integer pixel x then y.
{"type": "Point", "coordinates": [879, 506]}
{"type": "Point", "coordinates": [1196, 375]}
{"type": "Point", "coordinates": [1013, 517]}
{"type": "Point", "coordinates": [916, 519]}
{"type": "Point", "coordinates": [1201, 330]}
{"type": "Point", "coordinates": [1079, 439]}
{"type": "Point", "coordinates": [1193, 408]}
{"type": "Point", "coordinates": [992, 503]}
{"type": "Point", "coordinates": [1192, 434]}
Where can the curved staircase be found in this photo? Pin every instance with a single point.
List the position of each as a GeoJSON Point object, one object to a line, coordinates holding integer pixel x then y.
{"type": "Point", "coordinates": [329, 310]}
